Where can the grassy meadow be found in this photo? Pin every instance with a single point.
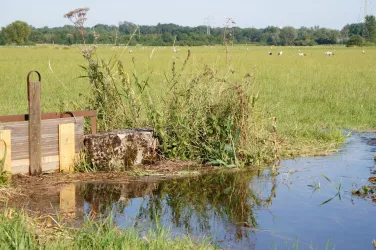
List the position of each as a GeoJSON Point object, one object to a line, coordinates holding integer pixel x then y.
{"type": "Point", "coordinates": [312, 97]}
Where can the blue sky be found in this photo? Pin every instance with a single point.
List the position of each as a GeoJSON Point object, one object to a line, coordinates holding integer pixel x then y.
{"type": "Point", "coordinates": [246, 13]}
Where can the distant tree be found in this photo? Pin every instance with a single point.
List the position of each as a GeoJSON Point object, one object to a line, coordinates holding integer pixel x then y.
{"type": "Point", "coordinates": [270, 35]}
{"type": "Point", "coordinates": [345, 32]}
{"type": "Point", "coordinates": [248, 33]}
{"type": "Point", "coordinates": [274, 39]}
{"type": "Point", "coordinates": [167, 38]}
{"type": "Point", "coordinates": [164, 34]}
{"type": "Point", "coordinates": [370, 28]}
{"type": "Point", "coordinates": [355, 40]}
{"type": "Point", "coordinates": [49, 38]}
{"type": "Point", "coordinates": [306, 37]}
{"type": "Point", "coordinates": [69, 38]}
{"type": "Point", "coordinates": [2, 36]}
{"type": "Point", "coordinates": [326, 36]}
{"type": "Point", "coordinates": [356, 29]}
{"type": "Point", "coordinates": [287, 35]}
{"type": "Point", "coordinates": [127, 28]}
{"type": "Point", "coordinates": [36, 36]}
{"type": "Point", "coordinates": [17, 32]}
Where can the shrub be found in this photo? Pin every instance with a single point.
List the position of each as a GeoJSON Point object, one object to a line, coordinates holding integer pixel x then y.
{"type": "Point", "coordinates": [203, 116]}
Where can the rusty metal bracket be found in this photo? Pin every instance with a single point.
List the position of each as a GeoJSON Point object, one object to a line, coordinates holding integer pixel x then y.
{"type": "Point", "coordinates": [46, 116]}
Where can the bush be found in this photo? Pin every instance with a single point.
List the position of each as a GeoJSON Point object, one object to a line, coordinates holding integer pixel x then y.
{"type": "Point", "coordinates": [204, 116]}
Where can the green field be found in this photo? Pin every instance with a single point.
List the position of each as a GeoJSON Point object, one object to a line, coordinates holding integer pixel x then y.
{"type": "Point", "coordinates": [313, 97]}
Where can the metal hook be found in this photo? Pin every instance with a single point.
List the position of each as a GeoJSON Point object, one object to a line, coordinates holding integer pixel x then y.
{"type": "Point", "coordinates": [28, 82]}
{"type": "Point", "coordinates": [28, 76]}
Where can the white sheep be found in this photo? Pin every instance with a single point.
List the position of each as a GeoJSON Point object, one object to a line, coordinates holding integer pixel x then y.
{"type": "Point", "coordinates": [280, 53]}
{"type": "Point", "coordinates": [302, 54]}
{"type": "Point", "coordinates": [329, 53]}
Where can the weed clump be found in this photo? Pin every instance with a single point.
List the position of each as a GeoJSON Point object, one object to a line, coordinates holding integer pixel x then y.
{"type": "Point", "coordinates": [212, 119]}
{"type": "Point", "coordinates": [202, 115]}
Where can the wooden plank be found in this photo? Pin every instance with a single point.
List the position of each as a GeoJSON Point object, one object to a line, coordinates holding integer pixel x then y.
{"type": "Point", "coordinates": [50, 135]}
{"type": "Point", "coordinates": [48, 149]}
{"type": "Point", "coordinates": [48, 126]}
{"type": "Point", "coordinates": [6, 149]}
{"type": "Point", "coordinates": [35, 126]}
{"type": "Point", "coordinates": [66, 147]}
{"type": "Point", "coordinates": [49, 164]}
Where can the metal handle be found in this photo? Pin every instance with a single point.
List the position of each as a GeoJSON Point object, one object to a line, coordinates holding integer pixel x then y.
{"type": "Point", "coordinates": [28, 82]}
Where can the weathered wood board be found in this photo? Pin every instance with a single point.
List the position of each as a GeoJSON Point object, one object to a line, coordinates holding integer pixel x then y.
{"type": "Point", "coordinates": [6, 149]}
{"type": "Point", "coordinates": [35, 131]}
{"type": "Point", "coordinates": [66, 147]}
{"type": "Point", "coordinates": [49, 143]}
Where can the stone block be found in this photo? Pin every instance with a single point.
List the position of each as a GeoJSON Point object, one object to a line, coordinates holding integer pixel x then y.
{"type": "Point", "coordinates": [120, 149]}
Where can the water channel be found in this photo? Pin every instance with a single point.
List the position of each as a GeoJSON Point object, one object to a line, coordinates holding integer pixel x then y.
{"type": "Point", "coordinates": [308, 205]}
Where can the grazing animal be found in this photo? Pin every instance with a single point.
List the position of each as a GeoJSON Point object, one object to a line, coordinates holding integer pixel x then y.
{"type": "Point", "coordinates": [175, 51]}
{"type": "Point", "coordinates": [130, 51]}
{"type": "Point", "coordinates": [280, 53]}
{"type": "Point", "coordinates": [270, 53]}
{"type": "Point", "coordinates": [302, 54]}
{"type": "Point", "coordinates": [329, 53]}
{"type": "Point", "coordinates": [363, 52]}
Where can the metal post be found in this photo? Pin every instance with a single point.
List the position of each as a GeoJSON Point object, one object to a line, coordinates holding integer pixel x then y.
{"type": "Point", "coordinates": [35, 124]}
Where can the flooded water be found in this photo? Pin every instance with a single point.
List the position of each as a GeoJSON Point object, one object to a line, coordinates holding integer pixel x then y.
{"type": "Point", "coordinates": [252, 210]}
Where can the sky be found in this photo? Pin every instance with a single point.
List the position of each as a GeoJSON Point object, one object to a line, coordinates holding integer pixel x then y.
{"type": "Point", "coordinates": [246, 13]}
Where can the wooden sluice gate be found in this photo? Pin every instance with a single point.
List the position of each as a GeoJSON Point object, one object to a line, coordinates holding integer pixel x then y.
{"type": "Point", "coordinates": [34, 143]}
{"type": "Point", "coordinates": [37, 143]}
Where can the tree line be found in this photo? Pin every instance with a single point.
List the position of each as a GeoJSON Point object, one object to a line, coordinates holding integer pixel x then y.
{"type": "Point", "coordinates": [20, 33]}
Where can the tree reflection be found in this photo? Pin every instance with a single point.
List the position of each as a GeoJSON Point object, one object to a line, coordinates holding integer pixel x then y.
{"type": "Point", "coordinates": [196, 204]}
{"type": "Point", "coordinates": [101, 197]}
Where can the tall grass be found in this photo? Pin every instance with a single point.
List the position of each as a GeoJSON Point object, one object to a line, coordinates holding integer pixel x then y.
{"type": "Point", "coordinates": [18, 231]}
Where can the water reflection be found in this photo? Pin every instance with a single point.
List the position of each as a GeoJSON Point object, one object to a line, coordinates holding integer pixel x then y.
{"type": "Point", "coordinates": [196, 205]}
{"type": "Point", "coordinates": [68, 200]}
{"type": "Point", "coordinates": [102, 198]}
